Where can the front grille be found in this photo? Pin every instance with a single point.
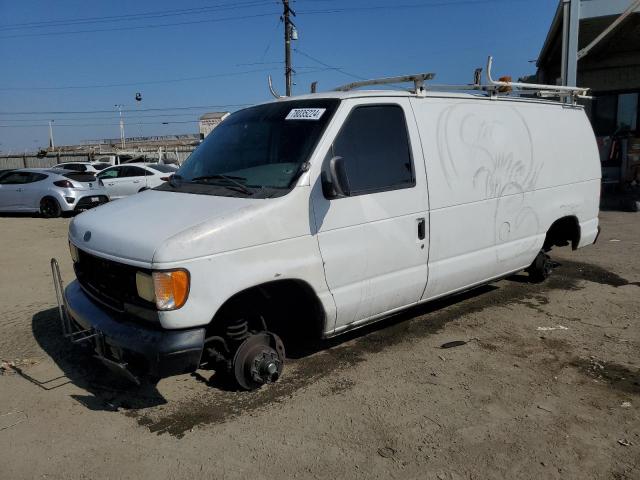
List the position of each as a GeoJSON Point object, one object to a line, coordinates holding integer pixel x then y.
{"type": "Point", "coordinates": [86, 203]}
{"type": "Point", "coordinates": [111, 283]}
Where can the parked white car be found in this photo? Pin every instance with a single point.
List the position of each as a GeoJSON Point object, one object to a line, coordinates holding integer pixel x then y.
{"type": "Point", "coordinates": [49, 191]}
{"type": "Point", "coordinates": [314, 215]}
{"type": "Point", "coordinates": [133, 157]}
{"type": "Point", "coordinates": [91, 167]}
{"type": "Point", "coordinates": [130, 178]}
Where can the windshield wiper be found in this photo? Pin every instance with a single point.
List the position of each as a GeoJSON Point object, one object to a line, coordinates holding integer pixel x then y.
{"type": "Point", "coordinates": [228, 178]}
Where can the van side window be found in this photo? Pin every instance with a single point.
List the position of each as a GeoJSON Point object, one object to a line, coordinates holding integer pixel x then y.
{"type": "Point", "coordinates": [374, 144]}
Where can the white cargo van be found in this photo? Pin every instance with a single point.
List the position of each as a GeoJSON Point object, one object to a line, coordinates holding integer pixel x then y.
{"type": "Point", "coordinates": [314, 215]}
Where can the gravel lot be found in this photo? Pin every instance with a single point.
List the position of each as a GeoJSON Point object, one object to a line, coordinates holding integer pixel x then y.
{"type": "Point", "coordinates": [548, 385]}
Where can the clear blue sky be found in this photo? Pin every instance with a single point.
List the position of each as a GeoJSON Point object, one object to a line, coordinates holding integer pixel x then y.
{"type": "Point", "coordinates": [231, 44]}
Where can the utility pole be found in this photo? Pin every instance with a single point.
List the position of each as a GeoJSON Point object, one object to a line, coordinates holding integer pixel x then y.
{"type": "Point", "coordinates": [287, 46]}
{"type": "Point", "coordinates": [51, 144]}
{"type": "Point", "coordinates": [122, 144]}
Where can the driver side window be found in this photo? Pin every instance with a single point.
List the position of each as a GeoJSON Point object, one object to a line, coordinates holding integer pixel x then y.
{"type": "Point", "coordinates": [374, 145]}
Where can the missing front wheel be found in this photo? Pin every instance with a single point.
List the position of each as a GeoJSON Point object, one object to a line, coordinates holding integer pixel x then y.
{"type": "Point", "coordinates": [259, 360]}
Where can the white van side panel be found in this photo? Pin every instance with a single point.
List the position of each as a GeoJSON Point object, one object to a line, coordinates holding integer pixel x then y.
{"type": "Point", "coordinates": [499, 174]}
{"type": "Point", "coordinates": [373, 259]}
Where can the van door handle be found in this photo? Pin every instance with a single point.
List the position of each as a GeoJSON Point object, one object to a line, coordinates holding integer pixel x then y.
{"type": "Point", "coordinates": [421, 229]}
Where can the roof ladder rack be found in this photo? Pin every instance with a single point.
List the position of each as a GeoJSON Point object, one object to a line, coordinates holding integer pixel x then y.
{"type": "Point", "coordinates": [492, 87]}
{"type": "Point", "coordinates": [540, 90]}
{"type": "Point", "coordinates": [417, 79]}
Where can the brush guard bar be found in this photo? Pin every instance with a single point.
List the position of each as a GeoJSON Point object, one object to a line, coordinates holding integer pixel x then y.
{"type": "Point", "coordinates": [69, 331]}
{"type": "Point", "coordinates": [77, 335]}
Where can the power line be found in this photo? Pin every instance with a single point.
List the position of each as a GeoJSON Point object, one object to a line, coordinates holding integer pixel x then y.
{"type": "Point", "coordinates": [268, 47]}
{"type": "Point", "coordinates": [141, 27]}
{"type": "Point", "coordinates": [136, 16]}
{"type": "Point", "coordinates": [315, 70]}
{"type": "Point", "coordinates": [260, 15]}
{"type": "Point", "coordinates": [156, 109]}
{"type": "Point", "coordinates": [153, 82]}
{"type": "Point", "coordinates": [258, 63]}
{"type": "Point", "coordinates": [146, 82]}
{"type": "Point", "coordinates": [132, 16]}
{"type": "Point", "coordinates": [130, 117]}
{"type": "Point", "coordinates": [352, 75]}
{"type": "Point", "coordinates": [449, 3]}
{"type": "Point", "coordinates": [95, 124]}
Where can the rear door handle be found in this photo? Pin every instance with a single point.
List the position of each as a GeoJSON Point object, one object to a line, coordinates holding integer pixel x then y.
{"type": "Point", "coordinates": [421, 229]}
{"type": "Point", "coordinates": [136, 181]}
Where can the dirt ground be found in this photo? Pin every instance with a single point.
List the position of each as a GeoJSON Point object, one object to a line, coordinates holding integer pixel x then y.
{"type": "Point", "coordinates": [548, 385]}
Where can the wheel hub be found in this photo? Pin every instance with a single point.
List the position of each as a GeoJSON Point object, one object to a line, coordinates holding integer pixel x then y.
{"type": "Point", "coordinates": [258, 360]}
{"type": "Point", "coordinates": [266, 367]}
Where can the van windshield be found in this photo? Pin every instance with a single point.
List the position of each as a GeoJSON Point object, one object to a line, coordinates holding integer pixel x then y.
{"type": "Point", "coordinates": [257, 152]}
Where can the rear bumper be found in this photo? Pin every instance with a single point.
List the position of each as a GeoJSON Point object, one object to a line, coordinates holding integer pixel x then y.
{"type": "Point", "coordinates": [80, 199]}
{"type": "Point", "coordinates": [140, 349]}
{"type": "Point", "coordinates": [90, 201]}
{"type": "Point", "coordinates": [589, 232]}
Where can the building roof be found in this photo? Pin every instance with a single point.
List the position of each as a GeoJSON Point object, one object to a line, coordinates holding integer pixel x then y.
{"type": "Point", "coordinates": [593, 20]}
{"type": "Point", "coordinates": [214, 116]}
{"type": "Point", "coordinates": [556, 26]}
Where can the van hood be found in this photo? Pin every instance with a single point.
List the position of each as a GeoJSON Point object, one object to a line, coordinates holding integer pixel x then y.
{"type": "Point", "coordinates": [162, 227]}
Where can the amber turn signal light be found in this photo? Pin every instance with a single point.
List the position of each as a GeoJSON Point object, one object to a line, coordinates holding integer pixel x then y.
{"type": "Point", "coordinates": [171, 289]}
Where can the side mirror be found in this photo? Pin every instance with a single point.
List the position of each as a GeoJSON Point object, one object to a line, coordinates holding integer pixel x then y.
{"type": "Point", "coordinates": [338, 179]}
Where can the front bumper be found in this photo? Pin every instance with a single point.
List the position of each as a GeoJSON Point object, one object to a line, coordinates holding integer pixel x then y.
{"type": "Point", "coordinates": [131, 347]}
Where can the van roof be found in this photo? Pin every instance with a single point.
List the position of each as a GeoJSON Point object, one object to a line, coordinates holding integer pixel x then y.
{"type": "Point", "coordinates": [478, 95]}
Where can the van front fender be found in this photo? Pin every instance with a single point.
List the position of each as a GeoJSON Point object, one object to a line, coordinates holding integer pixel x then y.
{"type": "Point", "coordinates": [218, 278]}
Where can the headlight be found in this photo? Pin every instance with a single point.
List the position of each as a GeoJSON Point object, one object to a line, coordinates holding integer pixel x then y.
{"type": "Point", "coordinates": [75, 256]}
{"type": "Point", "coordinates": [169, 289]}
{"type": "Point", "coordinates": [144, 284]}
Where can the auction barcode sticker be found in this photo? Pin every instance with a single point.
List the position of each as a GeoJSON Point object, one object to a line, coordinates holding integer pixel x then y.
{"type": "Point", "coordinates": [305, 114]}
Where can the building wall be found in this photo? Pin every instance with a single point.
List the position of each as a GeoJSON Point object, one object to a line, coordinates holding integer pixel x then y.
{"type": "Point", "coordinates": [612, 71]}
{"type": "Point", "coordinates": [31, 160]}
{"type": "Point", "coordinates": [617, 73]}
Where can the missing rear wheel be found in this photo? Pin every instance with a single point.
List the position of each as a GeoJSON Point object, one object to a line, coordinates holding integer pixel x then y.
{"type": "Point", "coordinates": [541, 268]}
